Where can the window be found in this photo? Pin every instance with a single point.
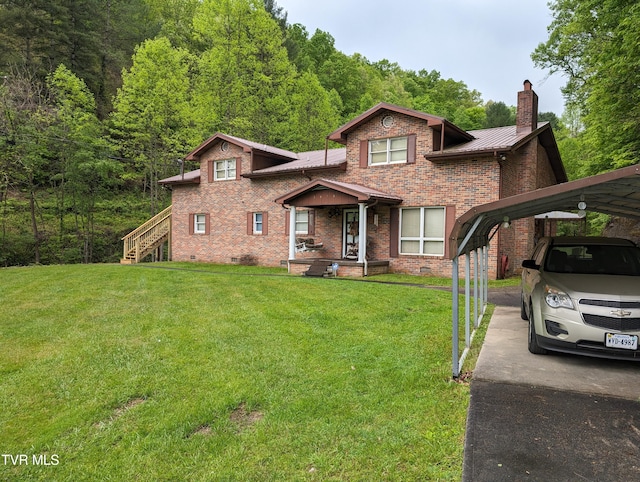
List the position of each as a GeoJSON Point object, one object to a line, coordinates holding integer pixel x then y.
{"type": "Point", "coordinates": [257, 223]}
{"type": "Point", "coordinates": [388, 151]}
{"type": "Point", "coordinates": [422, 231]}
{"type": "Point", "coordinates": [224, 170]}
{"type": "Point", "coordinates": [198, 223]}
{"type": "Point", "coordinates": [302, 222]}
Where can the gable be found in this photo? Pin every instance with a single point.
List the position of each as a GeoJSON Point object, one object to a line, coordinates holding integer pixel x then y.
{"type": "Point", "coordinates": [445, 133]}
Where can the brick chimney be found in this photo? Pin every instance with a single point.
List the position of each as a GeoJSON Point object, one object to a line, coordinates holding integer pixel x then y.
{"type": "Point", "coordinates": [527, 113]}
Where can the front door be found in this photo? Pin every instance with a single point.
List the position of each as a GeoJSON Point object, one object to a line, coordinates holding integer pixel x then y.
{"type": "Point", "coordinates": [350, 231]}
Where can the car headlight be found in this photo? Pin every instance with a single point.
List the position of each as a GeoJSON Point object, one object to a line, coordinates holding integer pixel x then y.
{"type": "Point", "coordinates": [556, 298]}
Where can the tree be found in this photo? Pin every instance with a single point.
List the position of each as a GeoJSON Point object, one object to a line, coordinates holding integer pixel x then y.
{"type": "Point", "coordinates": [85, 169]}
{"type": "Point", "coordinates": [498, 115]}
{"type": "Point", "coordinates": [93, 38]}
{"type": "Point", "coordinates": [597, 45]}
{"type": "Point", "coordinates": [244, 76]}
{"type": "Point", "coordinates": [313, 115]}
{"type": "Point", "coordinates": [151, 122]}
{"type": "Point", "coordinates": [26, 116]}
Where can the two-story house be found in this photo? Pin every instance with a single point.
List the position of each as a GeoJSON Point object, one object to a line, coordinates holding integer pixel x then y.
{"type": "Point", "coordinates": [385, 202]}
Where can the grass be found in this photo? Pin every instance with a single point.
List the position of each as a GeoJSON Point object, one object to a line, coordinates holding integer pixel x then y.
{"type": "Point", "coordinates": [196, 372]}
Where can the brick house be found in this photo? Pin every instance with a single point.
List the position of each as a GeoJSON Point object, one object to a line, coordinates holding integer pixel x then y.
{"type": "Point", "coordinates": [385, 202]}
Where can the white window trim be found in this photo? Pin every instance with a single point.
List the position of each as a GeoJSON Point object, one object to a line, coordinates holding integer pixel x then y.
{"type": "Point", "coordinates": [256, 223]}
{"type": "Point", "coordinates": [389, 151]}
{"type": "Point", "coordinates": [199, 223]}
{"type": "Point", "coordinates": [226, 176]}
{"type": "Point", "coordinates": [422, 239]}
{"type": "Point", "coordinates": [298, 213]}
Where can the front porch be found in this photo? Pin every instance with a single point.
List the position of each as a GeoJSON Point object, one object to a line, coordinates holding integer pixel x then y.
{"type": "Point", "coordinates": [346, 212]}
{"type": "Point", "coordinates": [346, 267]}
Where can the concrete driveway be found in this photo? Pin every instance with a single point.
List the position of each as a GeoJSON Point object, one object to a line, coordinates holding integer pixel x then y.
{"type": "Point", "coordinates": [548, 417]}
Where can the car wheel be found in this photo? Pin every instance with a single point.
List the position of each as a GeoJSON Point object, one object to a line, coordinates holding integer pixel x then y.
{"type": "Point", "coordinates": [523, 309]}
{"type": "Point", "coordinates": [533, 341]}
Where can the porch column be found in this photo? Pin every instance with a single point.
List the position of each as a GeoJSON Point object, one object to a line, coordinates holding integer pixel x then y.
{"type": "Point", "coordinates": [362, 232]}
{"type": "Point", "coordinates": [292, 233]}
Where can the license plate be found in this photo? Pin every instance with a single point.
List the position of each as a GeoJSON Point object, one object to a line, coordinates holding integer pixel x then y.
{"type": "Point", "coordinates": [617, 340]}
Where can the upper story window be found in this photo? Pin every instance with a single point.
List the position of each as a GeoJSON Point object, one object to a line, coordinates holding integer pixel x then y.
{"type": "Point", "coordinates": [224, 170]}
{"type": "Point", "coordinates": [388, 151]}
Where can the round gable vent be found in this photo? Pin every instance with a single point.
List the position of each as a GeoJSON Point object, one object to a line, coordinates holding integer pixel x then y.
{"type": "Point", "coordinates": [224, 146]}
{"type": "Point", "coordinates": [387, 121]}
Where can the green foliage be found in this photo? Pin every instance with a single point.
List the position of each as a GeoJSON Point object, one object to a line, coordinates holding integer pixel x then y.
{"type": "Point", "coordinates": [498, 115]}
{"type": "Point", "coordinates": [151, 121]}
{"type": "Point", "coordinates": [597, 45]}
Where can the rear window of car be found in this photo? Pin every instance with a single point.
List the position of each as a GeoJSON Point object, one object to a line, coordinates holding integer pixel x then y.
{"type": "Point", "coordinates": [594, 259]}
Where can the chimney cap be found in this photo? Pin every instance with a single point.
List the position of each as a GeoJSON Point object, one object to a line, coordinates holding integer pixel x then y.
{"type": "Point", "coordinates": [527, 85]}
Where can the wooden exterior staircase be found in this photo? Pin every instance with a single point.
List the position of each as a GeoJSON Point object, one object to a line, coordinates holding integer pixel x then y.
{"type": "Point", "coordinates": [147, 238]}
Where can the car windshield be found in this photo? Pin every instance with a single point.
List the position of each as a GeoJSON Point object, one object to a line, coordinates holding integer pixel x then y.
{"type": "Point", "coordinates": [594, 259]}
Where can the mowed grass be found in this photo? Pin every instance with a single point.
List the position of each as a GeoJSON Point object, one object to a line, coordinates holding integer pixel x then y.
{"type": "Point", "coordinates": [176, 372]}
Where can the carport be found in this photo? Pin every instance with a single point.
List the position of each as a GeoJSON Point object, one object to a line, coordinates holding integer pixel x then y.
{"type": "Point", "coordinates": [615, 193]}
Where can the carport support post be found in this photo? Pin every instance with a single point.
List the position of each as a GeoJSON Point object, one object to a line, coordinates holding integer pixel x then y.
{"type": "Point", "coordinates": [475, 288]}
{"type": "Point", "coordinates": [454, 308]}
{"type": "Point", "coordinates": [467, 300]}
{"type": "Point", "coordinates": [485, 275]}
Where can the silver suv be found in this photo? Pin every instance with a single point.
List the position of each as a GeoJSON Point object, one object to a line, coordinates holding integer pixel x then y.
{"type": "Point", "coordinates": [582, 295]}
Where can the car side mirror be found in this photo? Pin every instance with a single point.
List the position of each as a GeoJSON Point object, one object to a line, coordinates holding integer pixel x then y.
{"type": "Point", "coordinates": [530, 264]}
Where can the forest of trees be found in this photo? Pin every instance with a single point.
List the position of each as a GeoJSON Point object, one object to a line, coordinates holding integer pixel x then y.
{"type": "Point", "coordinates": [101, 99]}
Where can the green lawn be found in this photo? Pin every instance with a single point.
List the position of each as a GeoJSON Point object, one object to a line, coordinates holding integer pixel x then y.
{"type": "Point", "coordinates": [194, 372]}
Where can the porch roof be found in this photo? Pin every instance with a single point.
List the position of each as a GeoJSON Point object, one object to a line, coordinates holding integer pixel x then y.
{"type": "Point", "coordinates": [325, 192]}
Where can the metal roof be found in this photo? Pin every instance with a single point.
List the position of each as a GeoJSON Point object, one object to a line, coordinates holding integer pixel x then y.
{"type": "Point", "coordinates": [244, 143]}
{"type": "Point", "coordinates": [504, 140]}
{"type": "Point", "coordinates": [311, 160]}
{"type": "Point", "coordinates": [191, 177]}
{"type": "Point", "coordinates": [616, 193]}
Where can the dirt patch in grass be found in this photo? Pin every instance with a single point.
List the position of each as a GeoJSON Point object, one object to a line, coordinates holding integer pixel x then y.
{"type": "Point", "coordinates": [134, 402]}
{"type": "Point", "coordinates": [120, 411]}
{"type": "Point", "coordinates": [202, 430]}
{"type": "Point", "coordinates": [244, 419]}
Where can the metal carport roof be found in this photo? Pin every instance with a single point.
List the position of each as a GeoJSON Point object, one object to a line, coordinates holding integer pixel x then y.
{"type": "Point", "coordinates": [616, 193]}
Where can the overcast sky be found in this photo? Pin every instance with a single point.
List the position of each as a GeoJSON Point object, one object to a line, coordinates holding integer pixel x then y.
{"type": "Point", "coordinates": [486, 44]}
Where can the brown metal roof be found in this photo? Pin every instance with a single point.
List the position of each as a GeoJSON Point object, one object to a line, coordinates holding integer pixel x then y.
{"type": "Point", "coordinates": [191, 177]}
{"type": "Point", "coordinates": [616, 193]}
{"type": "Point", "coordinates": [502, 140]}
{"type": "Point", "coordinates": [244, 143]}
{"type": "Point", "coordinates": [307, 161]}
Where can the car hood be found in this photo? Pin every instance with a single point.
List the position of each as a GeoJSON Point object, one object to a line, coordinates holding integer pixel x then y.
{"type": "Point", "coordinates": [596, 286]}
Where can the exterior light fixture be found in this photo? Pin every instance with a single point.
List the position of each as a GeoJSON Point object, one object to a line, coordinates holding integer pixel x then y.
{"type": "Point", "coordinates": [582, 206]}
{"type": "Point", "coordinates": [505, 222]}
